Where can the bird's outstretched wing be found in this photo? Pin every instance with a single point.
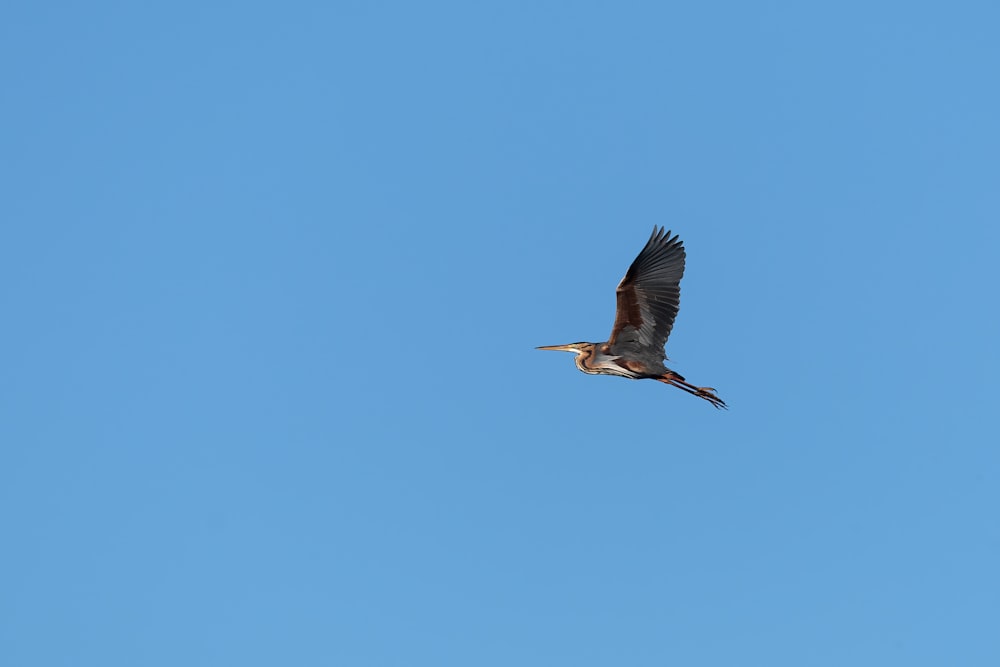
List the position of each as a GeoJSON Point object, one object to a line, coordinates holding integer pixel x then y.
{"type": "Point", "coordinates": [649, 296]}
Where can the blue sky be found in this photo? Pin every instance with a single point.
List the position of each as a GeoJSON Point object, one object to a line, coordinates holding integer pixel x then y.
{"type": "Point", "coordinates": [272, 277]}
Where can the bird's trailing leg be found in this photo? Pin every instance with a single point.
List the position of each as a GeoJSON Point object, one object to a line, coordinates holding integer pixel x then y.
{"type": "Point", "coordinates": [707, 393]}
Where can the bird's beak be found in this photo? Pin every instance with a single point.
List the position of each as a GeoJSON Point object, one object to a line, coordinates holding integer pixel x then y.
{"type": "Point", "coordinates": [559, 348]}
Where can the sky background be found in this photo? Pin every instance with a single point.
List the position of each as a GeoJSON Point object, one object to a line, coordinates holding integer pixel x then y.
{"type": "Point", "coordinates": [272, 275]}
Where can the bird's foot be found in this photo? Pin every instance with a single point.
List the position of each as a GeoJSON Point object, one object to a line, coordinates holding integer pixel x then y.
{"type": "Point", "coordinates": [708, 393]}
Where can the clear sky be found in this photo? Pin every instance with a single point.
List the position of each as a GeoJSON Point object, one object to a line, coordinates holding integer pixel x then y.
{"type": "Point", "coordinates": [272, 275]}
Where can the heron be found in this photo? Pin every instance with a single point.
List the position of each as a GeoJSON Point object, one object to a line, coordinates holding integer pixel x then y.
{"type": "Point", "coordinates": [648, 301]}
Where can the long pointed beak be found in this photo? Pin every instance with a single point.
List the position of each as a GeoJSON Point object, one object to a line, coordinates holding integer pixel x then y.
{"type": "Point", "coordinates": [558, 348]}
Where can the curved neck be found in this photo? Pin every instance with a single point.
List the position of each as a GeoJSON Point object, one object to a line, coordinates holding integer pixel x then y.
{"type": "Point", "coordinates": [584, 357]}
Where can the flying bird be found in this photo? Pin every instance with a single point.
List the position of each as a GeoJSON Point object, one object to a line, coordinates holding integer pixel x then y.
{"type": "Point", "coordinates": [648, 299]}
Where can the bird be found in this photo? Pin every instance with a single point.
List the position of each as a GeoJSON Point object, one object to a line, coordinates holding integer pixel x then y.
{"type": "Point", "coordinates": [648, 301]}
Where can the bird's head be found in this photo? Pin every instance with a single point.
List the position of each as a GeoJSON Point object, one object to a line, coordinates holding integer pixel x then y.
{"type": "Point", "coordinates": [579, 348]}
{"type": "Point", "coordinates": [582, 350]}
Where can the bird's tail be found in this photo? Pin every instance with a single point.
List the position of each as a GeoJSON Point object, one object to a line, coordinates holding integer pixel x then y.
{"type": "Point", "coordinates": [675, 380]}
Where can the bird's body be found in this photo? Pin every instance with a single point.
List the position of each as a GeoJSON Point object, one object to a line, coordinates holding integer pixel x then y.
{"type": "Point", "coordinates": [648, 301]}
{"type": "Point", "coordinates": [595, 359]}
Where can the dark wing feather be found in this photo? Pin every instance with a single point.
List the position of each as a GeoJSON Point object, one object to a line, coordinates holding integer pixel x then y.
{"type": "Point", "coordinates": [649, 296]}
